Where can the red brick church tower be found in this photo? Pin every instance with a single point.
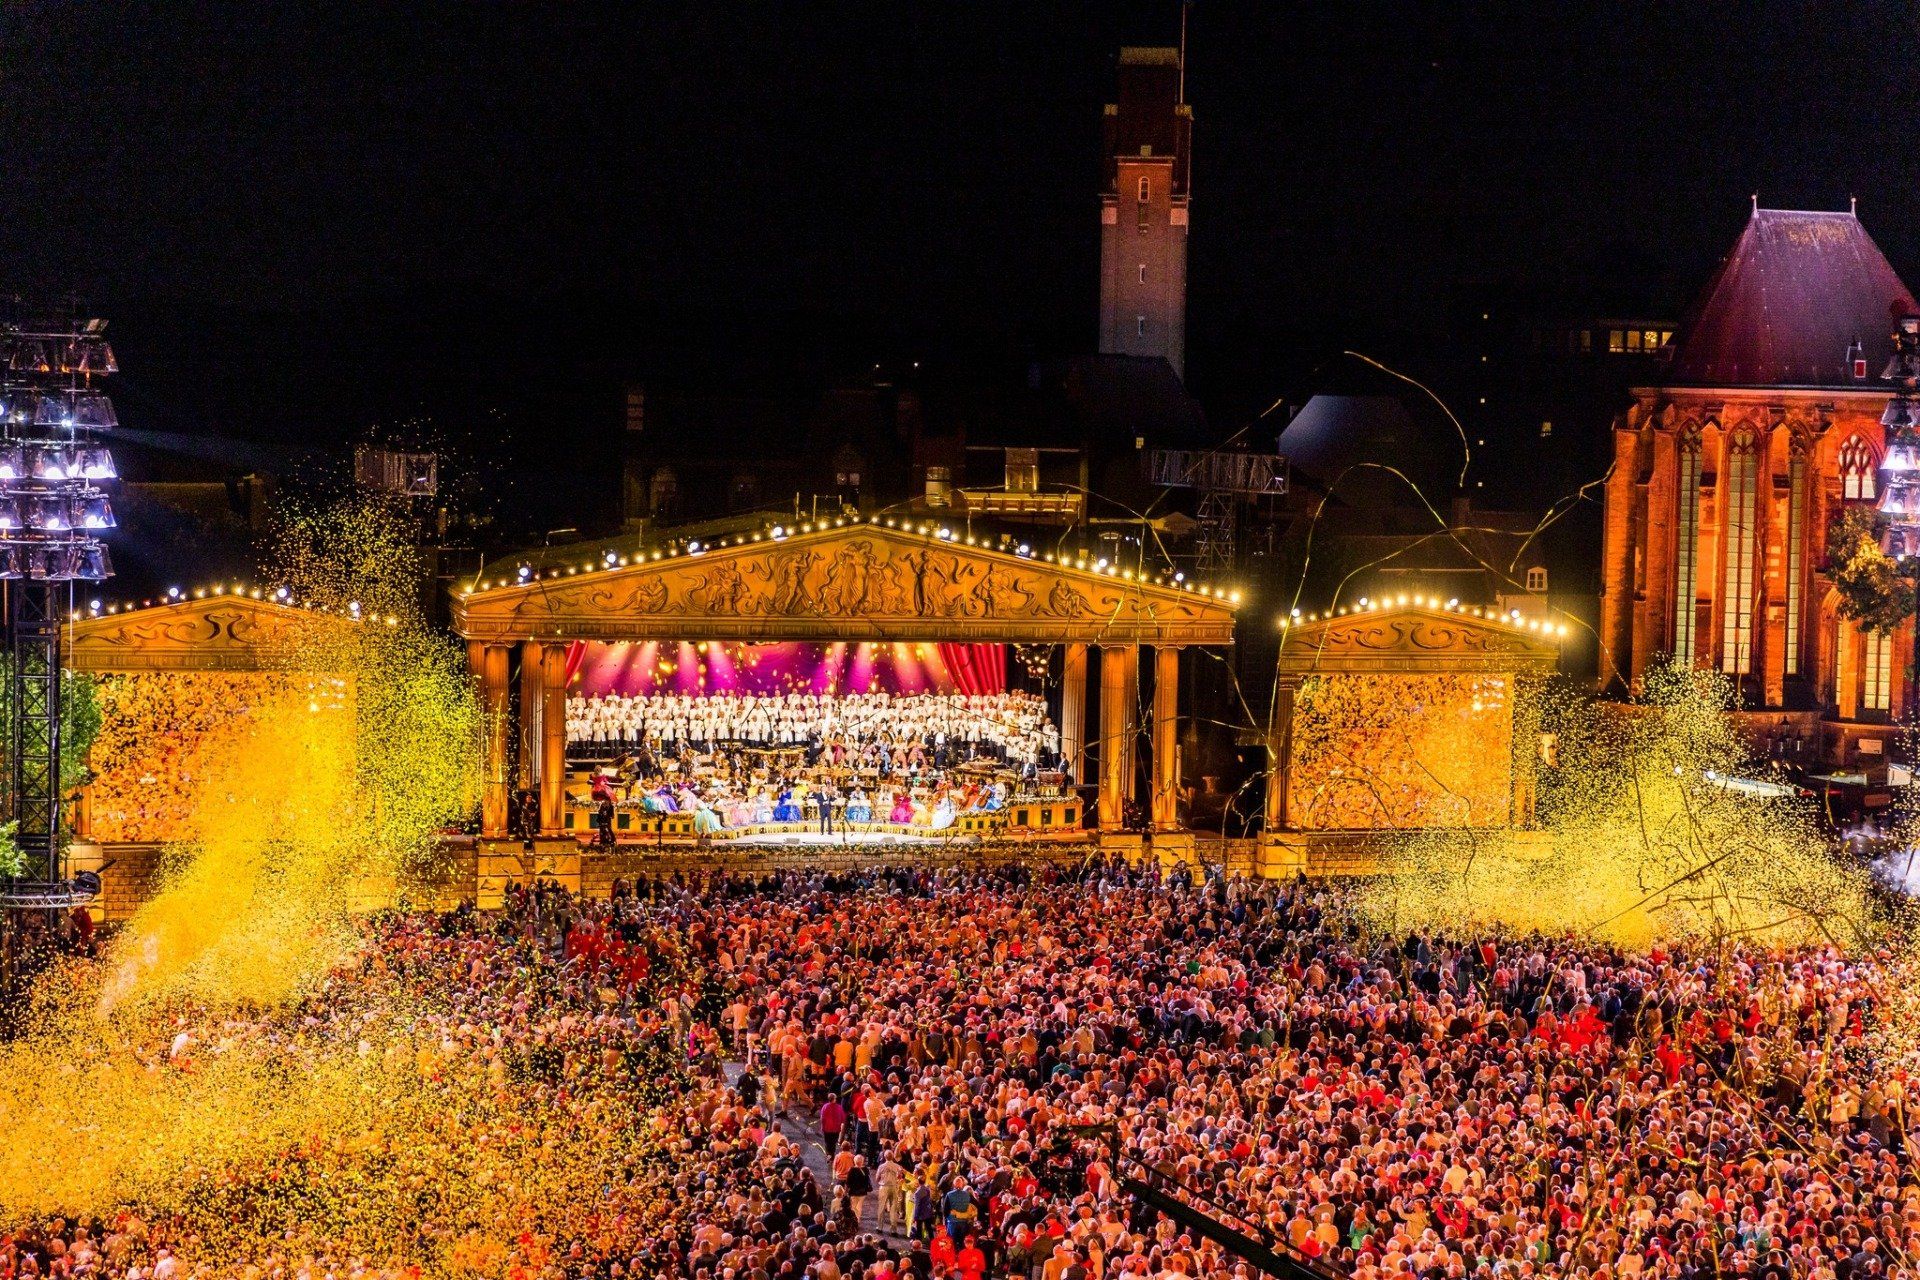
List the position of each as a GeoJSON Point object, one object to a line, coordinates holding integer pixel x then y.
{"type": "Point", "coordinates": [1727, 473]}
{"type": "Point", "coordinates": [1143, 211]}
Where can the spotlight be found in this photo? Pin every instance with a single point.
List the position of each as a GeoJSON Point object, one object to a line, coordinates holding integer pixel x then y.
{"type": "Point", "coordinates": [92, 512]}
{"type": "Point", "coordinates": [53, 462]}
{"type": "Point", "coordinates": [48, 515]}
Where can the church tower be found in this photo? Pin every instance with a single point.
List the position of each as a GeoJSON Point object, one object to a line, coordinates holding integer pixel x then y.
{"type": "Point", "coordinates": [1143, 211]}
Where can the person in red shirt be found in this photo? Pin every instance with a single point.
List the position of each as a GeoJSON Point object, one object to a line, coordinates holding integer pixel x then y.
{"type": "Point", "coordinates": [941, 1250]}
{"type": "Point", "coordinates": [971, 1261]}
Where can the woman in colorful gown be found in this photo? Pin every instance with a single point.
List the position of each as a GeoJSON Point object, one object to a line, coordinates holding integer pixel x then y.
{"type": "Point", "coordinates": [784, 809]}
{"type": "Point", "coordinates": [705, 821]}
{"type": "Point", "coordinates": [739, 811]}
{"type": "Point", "coordinates": [762, 806]}
{"type": "Point", "coordinates": [902, 814]}
{"type": "Point", "coordinates": [859, 808]}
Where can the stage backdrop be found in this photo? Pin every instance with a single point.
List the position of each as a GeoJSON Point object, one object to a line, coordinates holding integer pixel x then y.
{"type": "Point", "coordinates": [718, 667]}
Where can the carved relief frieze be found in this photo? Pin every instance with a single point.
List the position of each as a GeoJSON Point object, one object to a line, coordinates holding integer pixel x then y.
{"type": "Point", "coordinates": [849, 583]}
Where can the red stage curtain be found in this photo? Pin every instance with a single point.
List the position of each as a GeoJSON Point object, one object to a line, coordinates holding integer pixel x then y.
{"type": "Point", "coordinates": [975, 668]}
{"type": "Point", "coordinates": [576, 655]}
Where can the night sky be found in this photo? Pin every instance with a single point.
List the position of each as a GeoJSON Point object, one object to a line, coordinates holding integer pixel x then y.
{"type": "Point", "coordinates": [337, 194]}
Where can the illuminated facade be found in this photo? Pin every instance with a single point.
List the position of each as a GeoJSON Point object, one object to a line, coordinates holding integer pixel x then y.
{"type": "Point", "coordinates": [1727, 475]}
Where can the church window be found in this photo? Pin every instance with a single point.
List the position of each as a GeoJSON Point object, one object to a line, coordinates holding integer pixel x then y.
{"type": "Point", "coordinates": [1146, 189]}
{"type": "Point", "coordinates": [1687, 550]}
{"type": "Point", "coordinates": [1876, 683]}
{"type": "Point", "coordinates": [1856, 471]}
{"type": "Point", "coordinates": [1143, 273]}
{"type": "Point", "coordinates": [1737, 493]}
{"type": "Point", "coordinates": [1796, 534]}
{"type": "Point", "coordinates": [1140, 326]}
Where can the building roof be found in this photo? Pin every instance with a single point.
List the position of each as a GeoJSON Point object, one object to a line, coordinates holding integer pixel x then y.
{"type": "Point", "coordinates": [1347, 439]}
{"type": "Point", "coordinates": [1789, 304]}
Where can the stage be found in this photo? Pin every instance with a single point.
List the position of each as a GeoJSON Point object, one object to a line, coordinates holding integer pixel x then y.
{"type": "Point", "coordinates": [865, 839]}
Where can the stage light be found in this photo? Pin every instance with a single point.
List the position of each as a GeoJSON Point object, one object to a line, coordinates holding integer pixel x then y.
{"type": "Point", "coordinates": [93, 410]}
{"type": "Point", "coordinates": [48, 515]}
{"type": "Point", "coordinates": [92, 512]}
{"type": "Point", "coordinates": [52, 462]}
{"type": "Point", "coordinates": [97, 464]}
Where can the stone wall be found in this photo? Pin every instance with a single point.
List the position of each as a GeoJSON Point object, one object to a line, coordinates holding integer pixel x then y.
{"type": "Point", "coordinates": [479, 870]}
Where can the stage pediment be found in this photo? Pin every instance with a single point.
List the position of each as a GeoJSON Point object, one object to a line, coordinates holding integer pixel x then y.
{"type": "Point", "coordinates": [230, 632]}
{"type": "Point", "coordinates": [1416, 639]}
{"type": "Point", "coordinates": [857, 581]}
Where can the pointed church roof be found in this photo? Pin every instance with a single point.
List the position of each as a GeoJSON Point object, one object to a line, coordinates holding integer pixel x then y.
{"type": "Point", "coordinates": [1788, 305]}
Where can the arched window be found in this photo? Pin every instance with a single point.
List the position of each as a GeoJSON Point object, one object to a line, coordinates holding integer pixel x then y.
{"type": "Point", "coordinates": [1686, 568]}
{"type": "Point", "coordinates": [1738, 489]}
{"type": "Point", "coordinates": [1876, 681]}
{"type": "Point", "coordinates": [1796, 558]}
{"type": "Point", "coordinates": [1856, 471]}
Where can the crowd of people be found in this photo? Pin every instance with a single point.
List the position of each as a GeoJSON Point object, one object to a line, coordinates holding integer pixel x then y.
{"type": "Point", "coordinates": [954, 1075]}
{"type": "Point", "coordinates": [883, 732]}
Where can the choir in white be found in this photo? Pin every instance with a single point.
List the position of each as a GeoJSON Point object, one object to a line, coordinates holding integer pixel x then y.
{"type": "Point", "coordinates": [878, 760]}
{"type": "Point", "coordinates": [1010, 726]}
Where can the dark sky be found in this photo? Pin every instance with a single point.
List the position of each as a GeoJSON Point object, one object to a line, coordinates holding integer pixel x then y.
{"type": "Point", "coordinates": [923, 171]}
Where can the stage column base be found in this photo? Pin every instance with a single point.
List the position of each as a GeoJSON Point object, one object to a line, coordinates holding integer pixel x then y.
{"type": "Point", "coordinates": [1130, 845]}
{"type": "Point", "coordinates": [1282, 855]}
{"type": "Point", "coordinates": [1175, 848]}
{"type": "Point", "coordinates": [503, 862]}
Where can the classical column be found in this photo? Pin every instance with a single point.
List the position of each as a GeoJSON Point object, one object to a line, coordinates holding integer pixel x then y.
{"type": "Point", "coordinates": [526, 734]}
{"type": "Point", "coordinates": [553, 738]}
{"type": "Point", "coordinates": [491, 660]}
{"type": "Point", "coordinates": [1073, 711]}
{"type": "Point", "coordinates": [1279, 752]}
{"type": "Point", "coordinates": [1166, 737]}
{"type": "Point", "coordinates": [1119, 699]}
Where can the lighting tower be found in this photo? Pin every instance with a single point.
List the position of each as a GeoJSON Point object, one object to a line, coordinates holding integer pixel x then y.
{"type": "Point", "coordinates": [52, 517]}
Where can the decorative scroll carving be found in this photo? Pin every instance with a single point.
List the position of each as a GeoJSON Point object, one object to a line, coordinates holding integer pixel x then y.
{"type": "Point", "coordinates": [1414, 639]}
{"type": "Point", "coordinates": [221, 633]}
